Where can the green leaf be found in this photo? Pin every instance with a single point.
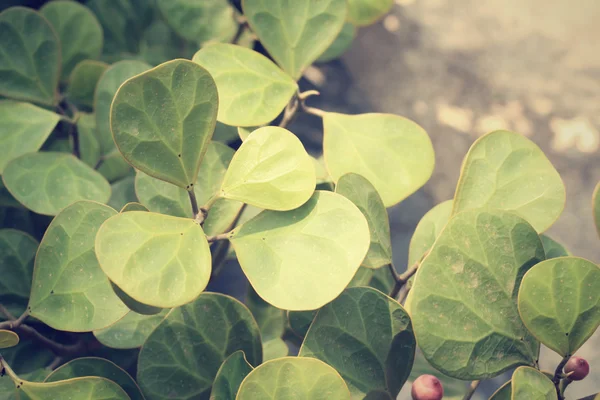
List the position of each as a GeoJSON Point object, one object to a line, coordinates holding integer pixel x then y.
{"type": "Point", "coordinates": [163, 137]}
{"type": "Point", "coordinates": [294, 378]}
{"type": "Point", "coordinates": [158, 260]}
{"type": "Point", "coordinates": [454, 389]}
{"type": "Point", "coordinates": [123, 192]}
{"type": "Point", "coordinates": [200, 21]}
{"type": "Point", "coordinates": [83, 81]}
{"type": "Point", "coordinates": [552, 248]}
{"type": "Point", "coordinates": [225, 133]}
{"type": "Point", "coordinates": [8, 339]}
{"type": "Point", "coordinates": [295, 33]}
{"type": "Point", "coordinates": [133, 207]}
{"type": "Point", "coordinates": [367, 337]}
{"type": "Point", "coordinates": [463, 300]}
{"type": "Point", "coordinates": [94, 366]}
{"type": "Point", "coordinates": [113, 166]}
{"type": "Point", "coordinates": [367, 12]}
{"type": "Point", "coordinates": [504, 392]}
{"type": "Point", "coordinates": [362, 193]}
{"type": "Point", "coordinates": [504, 170]}
{"type": "Point", "coordinates": [79, 32]}
{"type": "Point", "coordinates": [17, 254]}
{"type": "Point", "coordinates": [130, 331]}
{"type": "Point", "coordinates": [252, 89]}
{"type": "Point", "coordinates": [300, 321]}
{"type": "Point", "coordinates": [27, 357]}
{"type": "Point", "coordinates": [133, 304]}
{"type": "Point", "coordinates": [559, 302]}
{"type": "Point", "coordinates": [181, 357]}
{"type": "Point", "coordinates": [302, 259]}
{"type": "Point", "coordinates": [393, 153]}
{"type": "Point", "coordinates": [29, 57]}
{"type": "Point", "coordinates": [47, 182]}
{"type": "Point", "coordinates": [271, 170]}
{"type": "Point", "coordinates": [529, 383]}
{"type": "Point", "coordinates": [596, 207]}
{"type": "Point", "coordinates": [342, 42]}
{"type": "Point", "coordinates": [229, 377]}
{"type": "Point", "coordinates": [24, 129]}
{"type": "Point", "coordinates": [428, 229]}
{"type": "Point", "coordinates": [271, 322]}
{"type": "Point", "coordinates": [243, 133]}
{"type": "Point", "coordinates": [107, 86]}
{"type": "Point", "coordinates": [89, 147]}
{"type": "Point", "coordinates": [69, 291]}
{"type": "Point", "coordinates": [160, 43]}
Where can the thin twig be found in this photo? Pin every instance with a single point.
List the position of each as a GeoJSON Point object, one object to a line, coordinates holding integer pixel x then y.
{"type": "Point", "coordinates": [221, 236]}
{"type": "Point", "coordinates": [472, 389]}
{"type": "Point", "coordinates": [290, 111]}
{"type": "Point", "coordinates": [403, 294]}
{"type": "Point", "coordinates": [313, 111]}
{"type": "Point", "coordinates": [558, 375]}
{"type": "Point", "coordinates": [242, 26]}
{"type": "Point", "coordinates": [403, 278]}
{"type": "Point", "coordinates": [12, 323]}
{"type": "Point", "coordinates": [63, 350]}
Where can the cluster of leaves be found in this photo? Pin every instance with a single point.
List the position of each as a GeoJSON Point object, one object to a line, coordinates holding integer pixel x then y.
{"type": "Point", "coordinates": [128, 175]}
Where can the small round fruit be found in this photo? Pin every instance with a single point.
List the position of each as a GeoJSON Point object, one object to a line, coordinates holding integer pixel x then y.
{"type": "Point", "coordinates": [427, 387]}
{"type": "Point", "coordinates": [577, 368]}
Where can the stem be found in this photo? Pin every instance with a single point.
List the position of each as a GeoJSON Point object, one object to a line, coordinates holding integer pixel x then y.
{"type": "Point", "coordinates": [403, 278]}
{"type": "Point", "coordinates": [75, 135]}
{"type": "Point", "coordinates": [12, 323]}
{"type": "Point", "coordinates": [403, 294]}
{"type": "Point", "coordinates": [221, 236]}
{"type": "Point", "coordinates": [242, 26]}
{"type": "Point", "coordinates": [290, 111]}
{"type": "Point", "coordinates": [313, 111]}
{"type": "Point", "coordinates": [194, 202]}
{"type": "Point", "coordinates": [472, 389]}
{"type": "Point", "coordinates": [558, 374]}
{"type": "Point", "coordinates": [63, 350]}
{"type": "Point", "coordinates": [563, 386]}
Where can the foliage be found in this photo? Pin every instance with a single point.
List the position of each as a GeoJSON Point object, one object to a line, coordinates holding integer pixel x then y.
{"type": "Point", "coordinates": [146, 149]}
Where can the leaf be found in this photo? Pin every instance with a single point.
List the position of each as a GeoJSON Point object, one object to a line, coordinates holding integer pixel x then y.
{"type": "Point", "coordinates": [454, 389]}
{"type": "Point", "coordinates": [225, 133]}
{"type": "Point", "coordinates": [252, 89]}
{"type": "Point", "coordinates": [83, 81]}
{"type": "Point", "coordinates": [559, 302]}
{"type": "Point", "coordinates": [113, 166]}
{"type": "Point", "coordinates": [79, 32]}
{"type": "Point", "coordinates": [504, 392]}
{"type": "Point", "coordinates": [504, 170]}
{"type": "Point", "coordinates": [8, 339]}
{"type": "Point", "coordinates": [89, 147]}
{"type": "Point", "coordinates": [200, 21]}
{"type": "Point", "coordinates": [133, 207]}
{"type": "Point", "coordinates": [302, 259]}
{"type": "Point", "coordinates": [94, 366]}
{"type": "Point", "coordinates": [123, 192]}
{"type": "Point", "coordinates": [362, 193]}
{"type": "Point", "coordinates": [293, 377]}
{"type": "Point", "coordinates": [24, 129]}
{"type": "Point", "coordinates": [552, 248]}
{"type": "Point", "coordinates": [296, 32]}
{"type": "Point", "coordinates": [271, 170]}
{"type": "Point", "coordinates": [393, 153]}
{"type": "Point", "coordinates": [271, 322]}
{"type": "Point", "coordinates": [160, 43]}
{"type": "Point", "coordinates": [181, 357]}
{"type": "Point", "coordinates": [229, 377]}
{"type": "Point", "coordinates": [69, 291]}
{"type": "Point", "coordinates": [529, 383]}
{"type": "Point", "coordinates": [29, 57]}
{"type": "Point", "coordinates": [130, 331]}
{"type": "Point", "coordinates": [367, 337]}
{"type": "Point", "coordinates": [428, 229]}
{"type": "Point", "coordinates": [342, 42]}
{"type": "Point", "coordinates": [463, 300]}
{"type": "Point", "coordinates": [596, 207]}
{"type": "Point", "coordinates": [158, 260]}
{"type": "Point", "coordinates": [300, 321]}
{"type": "Point", "coordinates": [159, 135]}
{"type": "Point", "coordinates": [243, 133]}
{"type": "Point", "coordinates": [47, 182]}
{"type": "Point", "coordinates": [133, 304]}
{"type": "Point", "coordinates": [367, 12]}
{"type": "Point", "coordinates": [17, 253]}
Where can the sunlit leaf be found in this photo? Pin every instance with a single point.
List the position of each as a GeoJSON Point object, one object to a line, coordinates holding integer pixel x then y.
{"type": "Point", "coordinates": [552, 248]}
{"type": "Point", "coordinates": [181, 357]}
{"type": "Point", "coordinates": [366, 12]}
{"type": "Point", "coordinates": [342, 42]}
{"type": "Point", "coordinates": [158, 260]}
{"type": "Point", "coordinates": [393, 153]}
{"type": "Point", "coordinates": [8, 339]}
{"type": "Point", "coordinates": [130, 331]}
{"type": "Point", "coordinates": [295, 32]}
{"type": "Point", "coordinates": [504, 170]}
{"type": "Point", "coordinates": [83, 81]}
{"type": "Point", "coordinates": [123, 192]}
{"type": "Point", "coordinates": [252, 89]}
{"type": "Point", "coordinates": [89, 148]}
{"type": "Point", "coordinates": [271, 170]}
{"type": "Point", "coordinates": [163, 137]}
{"type": "Point", "coordinates": [302, 259]}
{"type": "Point", "coordinates": [428, 229]}
{"type": "Point", "coordinates": [463, 300]}
{"type": "Point", "coordinates": [529, 383]}
{"type": "Point", "coordinates": [596, 207]}
{"type": "Point", "coordinates": [47, 182]}
{"type": "Point", "coordinates": [29, 57]}
{"type": "Point", "coordinates": [229, 377]}
{"type": "Point", "coordinates": [272, 322]}
{"type": "Point", "coordinates": [17, 254]}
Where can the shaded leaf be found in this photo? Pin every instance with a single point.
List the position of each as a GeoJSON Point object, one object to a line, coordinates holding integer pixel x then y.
{"type": "Point", "coordinates": [552, 248]}
{"type": "Point", "coordinates": [300, 321]}
{"type": "Point", "coordinates": [342, 42]}
{"type": "Point", "coordinates": [113, 166]}
{"type": "Point", "coordinates": [229, 377]}
{"type": "Point", "coordinates": [225, 133]}
{"type": "Point", "coordinates": [133, 304]}
{"type": "Point", "coordinates": [529, 383]}
{"type": "Point", "coordinates": [123, 192]}
{"type": "Point", "coordinates": [428, 229]}
{"type": "Point", "coordinates": [83, 81]}
{"type": "Point", "coordinates": [130, 331]}
{"type": "Point", "coordinates": [89, 148]}
{"type": "Point", "coordinates": [367, 12]}
{"type": "Point", "coordinates": [504, 392]}
{"type": "Point", "coordinates": [17, 254]}
{"type": "Point", "coordinates": [454, 389]}
{"type": "Point", "coordinates": [271, 322]}
{"type": "Point", "coordinates": [8, 339]}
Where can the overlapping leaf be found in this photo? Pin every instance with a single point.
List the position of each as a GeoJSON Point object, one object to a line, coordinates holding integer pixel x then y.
{"type": "Point", "coordinates": [123, 192]}
{"type": "Point", "coordinates": [8, 339]}
{"type": "Point", "coordinates": [229, 377]}
{"type": "Point", "coordinates": [17, 254]}
{"type": "Point", "coordinates": [271, 322]}
{"type": "Point", "coordinates": [341, 43]}
{"type": "Point", "coordinates": [83, 81]}
{"type": "Point", "coordinates": [428, 229]}
{"type": "Point", "coordinates": [89, 148]}
{"type": "Point", "coordinates": [366, 12]}
{"type": "Point", "coordinates": [130, 331]}
{"type": "Point", "coordinates": [552, 248]}
{"type": "Point", "coordinates": [529, 383]}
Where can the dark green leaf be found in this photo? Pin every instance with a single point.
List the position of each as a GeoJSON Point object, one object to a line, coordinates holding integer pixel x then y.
{"type": "Point", "coordinates": [229, 377]}
{"type": "Point", "coordinates": [271, 322]}
{"type": "Point", "coordinates": [123, 192]}
{"type": "Point", "coordinates": [89, 148]}
{"type": "Point", "coordinates": [131, 331]}
{"type": "Point", "coordinates": [552, 248]}
{"type": "Point", "coordinates": [83, 81]}
{"type": "Point", "coordinates": [17, 254]}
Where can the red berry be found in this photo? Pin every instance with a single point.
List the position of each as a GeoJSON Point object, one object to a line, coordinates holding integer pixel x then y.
{"type": "Point", "coordinates": [427, 387]}
{"type": "Point", "coordinates": [577, 368]}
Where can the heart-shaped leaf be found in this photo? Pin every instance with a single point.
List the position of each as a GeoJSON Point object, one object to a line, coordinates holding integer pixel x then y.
{"type": "Point", "coordinates": [393, 153]}
{"type": "Point", "coordinates": [252, 89]}
{"type": "Point", "coordinates": [504, 170]}
{"type": "Point", "coordinates": [181, 357]}
{"type": "Point", "coordinates": [295, 32]}
{"type": "Point", "coordinates": [130, 331]}
{"type": "Point", "coordinates": [83, 81]}
{"type": "Point", "coordinates": [270, 170]}
{"type": "Point", "coordinates": [552, 248]}
{"type": "Point", "coordinates": [428, 229]}
{"type": "Point", "coordinates": [69, 290]}
{"type": "Point", "coordinates": [79, 32]}
{"type": "Point", "coordinates": [94, 366]}
{"type": "Point", "coordinates": [48, 182]}
{"type": "Point", "coordinates": [367, 337]}
{"type": "Point", "coordinates": [463, 300]}
{"type": "Point", "coordinates": [123, 192]}
{"type": "Point", "coordinates": [113, 166]}
{"type": "Point", "coordinates": [8, 339]}
{"type": "Point", "coordinates": [297, 378]}
{"type": "Point", "coordinates": [271, 322]}
{"type": "Point", "coordinates": [559, 302]}
{"type": "Point", "coordinates": [229, 377]}
{"type": "Point", "coordinates": [360, 191]}
{"type": "Point", "coordinates": [89, 148]}
{"type": "Point", "coordinates": [17, 253]}
{"type": "Point", "coordinates": [366, 12]}
{"type": "Point", "coordinates": [529, 383]}
{"type": "Point", "coordinates": [342, 42]}
{"type": "Point", "coordinates": [596, 207]}
{"type": "Point", "coordinates": [159, 135]}
{"type": "Point", "coordinates": [24, 129]}
{"type": "Point", "coordinates": [29, 57]}
{"type": "Point", "coordinates": [302, 259]}
{"type": "Point", "coordinates": [158, 260]}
